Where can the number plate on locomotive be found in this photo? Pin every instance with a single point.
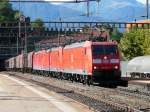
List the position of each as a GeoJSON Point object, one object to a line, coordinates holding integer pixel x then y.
{"type": "Point", "coordinates": [105, 61]}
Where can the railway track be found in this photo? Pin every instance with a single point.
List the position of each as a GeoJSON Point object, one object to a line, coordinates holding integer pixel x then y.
{"type": "Point", "coordinates": [136, 93]}
{"type": "Point", "coordinates": [91, 96]}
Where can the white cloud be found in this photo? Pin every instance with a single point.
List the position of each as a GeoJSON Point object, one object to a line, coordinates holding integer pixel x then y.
{"type": "Point", "coordinates": [119, 4]}
{"type": "Point", "coordinates": [142, 1]}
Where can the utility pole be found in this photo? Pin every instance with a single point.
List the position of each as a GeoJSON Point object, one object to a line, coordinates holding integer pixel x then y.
{"type": "Point", "coordinates": [26, 49]}
{"type": "Point", "coordinates": [59, 32]}
{"type": "Point", "coordinates": [88, 8]}
{"type": "Point", "coordinates": [147, 9]}
{"type": "Point", "coordinates": [23, 21]}
{"type": "Point", "coordinates": [98, 1]}
{"type": "Point", "coordinates": [18, 37]}
{"type": "Point", "coordinates": [19, 29]}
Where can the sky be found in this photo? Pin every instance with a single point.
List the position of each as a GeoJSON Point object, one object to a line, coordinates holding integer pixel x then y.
{"type": "Point", "coordinates": [142, 1]}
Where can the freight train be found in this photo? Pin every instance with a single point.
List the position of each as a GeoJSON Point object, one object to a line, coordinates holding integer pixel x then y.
{"type": "Point", "coordinates": [139, 68]}
{"type": "Point", "coordinates": [86, 62]}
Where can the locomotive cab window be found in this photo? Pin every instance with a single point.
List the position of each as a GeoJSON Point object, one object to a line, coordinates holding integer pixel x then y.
{"type": "Point", "coordinates": [104, 49]}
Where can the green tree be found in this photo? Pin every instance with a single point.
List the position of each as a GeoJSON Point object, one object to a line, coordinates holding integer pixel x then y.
{"type": "Point", "coordinates": [17, 15]}
{"type": "Point", "coordinates": [135, 43]}
{"type": "Point", "coordinates": [38, 26]}
{"type": "Point", "coordinates": [38, 23]}
{"type": "Point", "coordinates": [146, 45]}
{"type": "Point", "coordinates": [6, 11]}
{"type": "Point", "coordinates": [116, 35]}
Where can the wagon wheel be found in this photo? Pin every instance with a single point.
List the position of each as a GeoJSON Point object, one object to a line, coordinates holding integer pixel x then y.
{"type": "Point", "coordinates": [90, 81]}
{"type": "Point", "coordinates": [71, 78]}
{"type": "Point", "coordinates": [81, 79]}
{"type": "Point", "coordinates": [84, 80]}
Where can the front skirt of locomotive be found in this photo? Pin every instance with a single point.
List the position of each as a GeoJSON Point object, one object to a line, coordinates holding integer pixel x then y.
{"type": "Point", "coordinates": [109, 77]}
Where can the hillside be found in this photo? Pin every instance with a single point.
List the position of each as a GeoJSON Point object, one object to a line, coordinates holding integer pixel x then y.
{"type": "Point", "coordinates": [108, 10]}
{"type": "Point", "coordinates": [113, 10]}
{"type": "Point", "coordinates": [51, 12]}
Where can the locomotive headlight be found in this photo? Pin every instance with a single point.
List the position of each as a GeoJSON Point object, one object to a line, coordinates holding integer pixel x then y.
{"type": "Point", "coordinates": [116, 67]}
{"type": "Point", "coordinates": [95, 67]}
{"type": "Point", "coordinates": [105, 57]}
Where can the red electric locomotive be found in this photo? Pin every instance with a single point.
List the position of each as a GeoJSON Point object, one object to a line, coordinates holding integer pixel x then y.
{"type": "Point", "coordinates": [92, 61]}
{"type": "Point", "coordinates": [105, 62]}
{"type": "Point", "coordinates": [86, 62]}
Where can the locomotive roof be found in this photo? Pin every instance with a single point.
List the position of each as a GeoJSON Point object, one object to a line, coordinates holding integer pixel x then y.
{"type": "Point", "coordinates": [53, 49]}
{"type": "Point", "coordinates": [104, 43]}
{"type": "Point", "coordinates": [74, 45]}
{"type": "Point", "coordinates": [86, 43]}
{"type": "Point", "coordinates": [80, 44]}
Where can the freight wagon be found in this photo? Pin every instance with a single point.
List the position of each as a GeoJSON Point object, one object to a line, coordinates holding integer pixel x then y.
{"type": "Point", "coordinates": [139, 68]}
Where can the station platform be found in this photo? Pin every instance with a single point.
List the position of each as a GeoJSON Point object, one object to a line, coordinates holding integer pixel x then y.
{"type": "Point", "coordinates": [20, 96]}
{"type": "Point", "coordinates": [141, 81]}
{"type": "Point", "coordinates": [144, 84]}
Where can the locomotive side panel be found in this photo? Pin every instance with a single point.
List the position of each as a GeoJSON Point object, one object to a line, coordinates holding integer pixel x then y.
{"type": "Point", "coordinates": [42, 59]}
{"type": "Point", "coordinates": [74, 60]}
{"type": "Point", "coordinates": [66, 60]}
{"type": "Point", "coordinates": [61, 59]}
{"type": "Point", "coordinates": [36, 61]}
{"type": "Point", "coordinates": [45, 61]}
{"type": "Point", "coordinates": [39, 61]}
{"type": "Point", "coordinates": [54, 60]}
{"type": "Point", "coordinates": [88, 59]}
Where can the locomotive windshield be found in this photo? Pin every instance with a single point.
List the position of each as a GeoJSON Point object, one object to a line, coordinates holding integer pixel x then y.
{"type": "Point", "coordinates": [104, 49]}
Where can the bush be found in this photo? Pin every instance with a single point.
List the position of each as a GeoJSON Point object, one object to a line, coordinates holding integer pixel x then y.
{"type": "Point", "coordinates": [135, 43]}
